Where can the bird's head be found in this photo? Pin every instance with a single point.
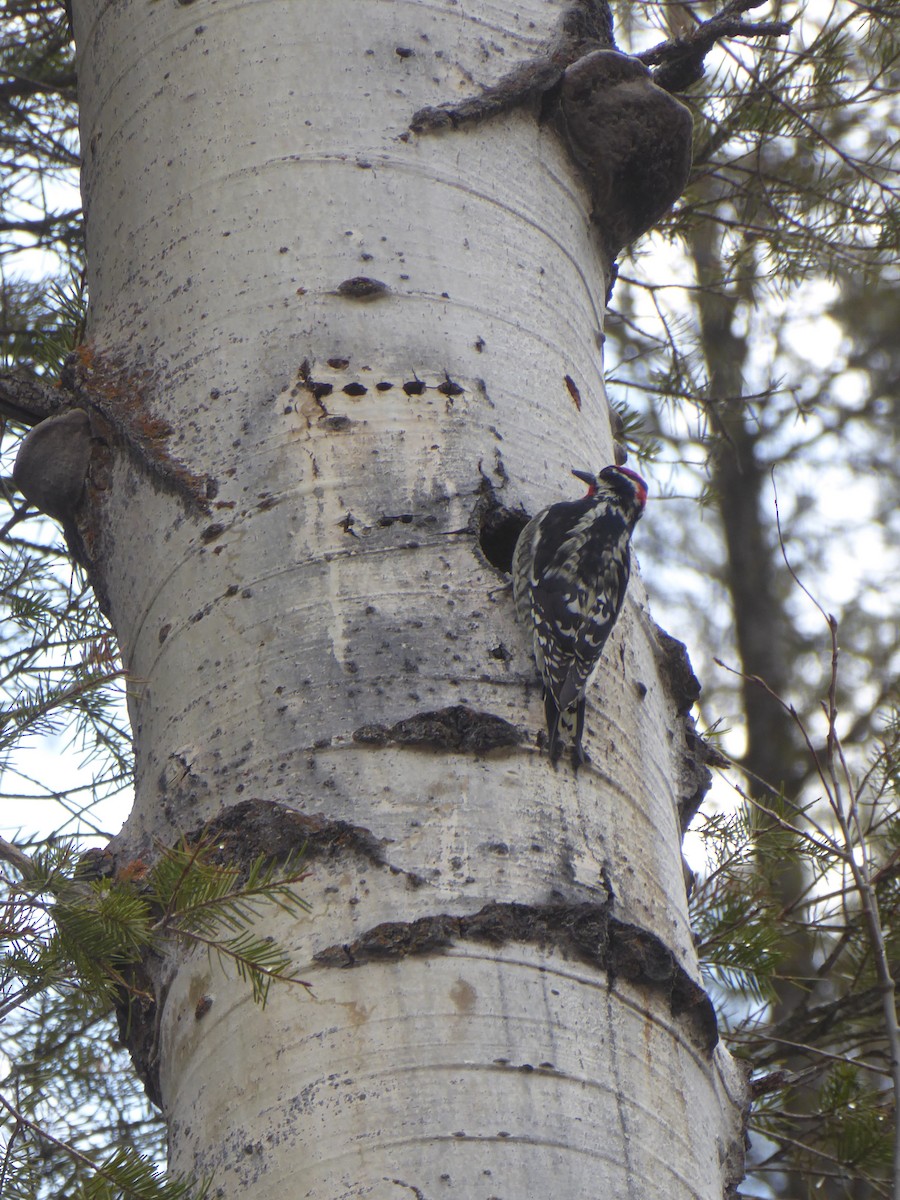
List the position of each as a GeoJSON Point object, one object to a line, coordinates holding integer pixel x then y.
{"type": "Point", "coordinates": [621, 481]}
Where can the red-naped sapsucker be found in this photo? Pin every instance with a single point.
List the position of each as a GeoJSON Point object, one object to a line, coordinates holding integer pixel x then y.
{"type": "Point", "coordinates": [570, 571]}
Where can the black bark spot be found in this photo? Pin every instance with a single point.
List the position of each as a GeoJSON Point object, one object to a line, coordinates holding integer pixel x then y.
{"type": "Point", "coordinates": [572, 387]}
{"type": "Point", "coordinates": [361, 287]}
{"type": "Point", "coordinates": [449, 388]}
{"type": "Point", "coordinates": [335, 423]}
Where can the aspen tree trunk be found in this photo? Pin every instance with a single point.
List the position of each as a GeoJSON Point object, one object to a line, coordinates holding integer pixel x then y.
{"type": "Point", "coordinates": [328, 360]}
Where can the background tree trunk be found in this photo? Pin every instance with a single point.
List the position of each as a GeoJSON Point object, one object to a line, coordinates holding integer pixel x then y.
{"type": "Point", "coordinates": [328, 360]}
{"type": "Point", "coordinates": [755, 581]}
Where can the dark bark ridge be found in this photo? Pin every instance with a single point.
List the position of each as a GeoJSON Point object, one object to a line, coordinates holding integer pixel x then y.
{"type": "Point", "coordinates": [676, 671]}
{"type": "Point", "coordinates": [237, 837]}
{"type": "Point", "coordinates": [456, 728]}
{"type": "Point", "coordinates": [244, 831]}
{"type": "Point", "coordinates": [586, 932]}
{"type": "Point", "coordinates": [683, 687]}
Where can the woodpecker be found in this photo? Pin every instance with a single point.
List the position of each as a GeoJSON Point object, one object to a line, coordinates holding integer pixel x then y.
{"type": "Point", "coordinates": [570, 571]}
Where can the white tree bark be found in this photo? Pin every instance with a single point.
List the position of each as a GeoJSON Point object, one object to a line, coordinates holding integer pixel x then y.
{"type": "Point", "coordinates": [541, 1031]}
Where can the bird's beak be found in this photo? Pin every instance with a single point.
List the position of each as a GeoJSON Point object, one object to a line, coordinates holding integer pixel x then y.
{"type": "Point", "coordinates": [586, 477]}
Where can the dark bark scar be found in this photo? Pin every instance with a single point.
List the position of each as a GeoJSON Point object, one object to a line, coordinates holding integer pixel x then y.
{"type": "Point", "coordinates": [587, 932]}
{"type": "Point", "coordinates": [458, 728]}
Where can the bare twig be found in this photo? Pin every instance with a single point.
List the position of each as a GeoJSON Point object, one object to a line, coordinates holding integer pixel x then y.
{"type": "Point", "coordinates": [679, 62]}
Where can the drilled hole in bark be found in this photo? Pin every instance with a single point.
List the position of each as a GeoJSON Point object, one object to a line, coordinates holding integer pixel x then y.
{"type": "Point", "coordinates": [498, 531]}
